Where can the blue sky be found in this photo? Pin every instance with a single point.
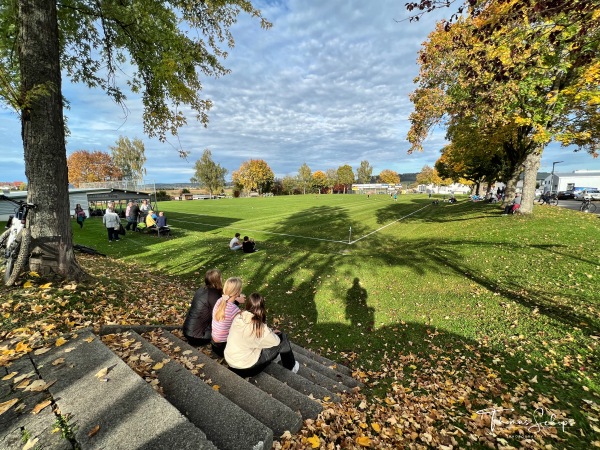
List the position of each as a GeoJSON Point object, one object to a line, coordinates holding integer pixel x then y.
{"type": "Point", "coordinates": [327, 85]}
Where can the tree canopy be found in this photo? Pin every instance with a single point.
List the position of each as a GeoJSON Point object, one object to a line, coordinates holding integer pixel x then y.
{"type": "Point", "coordinates": [89, 167]}
{"type": "Point", "coordinates": [254, 175]}
{"type": "Point", "coordinates": [389, 176]}
{"type": "Point", "coordinates": [364, 172]}
{"type": "Point", "coordinates": [304, 177]}
{"type": "Point", "coordinates": [513, 70]}
{"type": "Point", "coordinates": [159, 50]}
{"type": "Point", "coordinates": [130, 157]}
{"type": "Point", "coordinates": [345, 176]}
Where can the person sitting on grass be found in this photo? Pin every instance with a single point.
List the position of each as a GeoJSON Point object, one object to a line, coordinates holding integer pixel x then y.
{"type": "Point", "coordinates": [235, 243]}
{"type": "Point", "coordinates": [197, 327]}
{"type": "Point", "coordinates": [252, 345]}
{"type": "Point", "coordinates": [224, 312]}
{"type": "Point", "coordinates": [248, 246]}
{"type": "Point", "coordinates": [514, 205]}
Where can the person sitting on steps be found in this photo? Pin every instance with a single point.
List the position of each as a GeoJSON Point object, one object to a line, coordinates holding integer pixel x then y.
{"type": "Point", "coordinates": [224, 312]}
{"type": "Point", "coordinates": [197, 327]}
{"type": "Point", "coordinates": [252, 345]}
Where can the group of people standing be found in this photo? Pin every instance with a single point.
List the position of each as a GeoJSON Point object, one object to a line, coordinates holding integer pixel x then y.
{"type": "Point", "coordinates": [242, 337]}
{"type": "Point", "coordinates": [135, 214]}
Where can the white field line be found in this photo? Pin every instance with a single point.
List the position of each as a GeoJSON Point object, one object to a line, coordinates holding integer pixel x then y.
{"type": "Point", "coordinates": [299, 236]}
{"type": "Point", "coordinates": [385, 226]}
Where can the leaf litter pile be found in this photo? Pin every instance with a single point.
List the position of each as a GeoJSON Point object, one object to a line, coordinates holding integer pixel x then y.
{"type": "Point", "coordinates": [442, 396]}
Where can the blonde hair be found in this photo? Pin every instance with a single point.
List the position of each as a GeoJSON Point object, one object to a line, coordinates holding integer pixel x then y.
{"type": "Point", "coordinates": [231, 289]}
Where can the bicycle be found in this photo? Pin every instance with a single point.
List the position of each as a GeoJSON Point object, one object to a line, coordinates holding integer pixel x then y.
{"type": "Point", "coordinates": [587, 206]}
{"type": "Point", "coordinates": [549, 199]}
{"type": "Point", "coordinates": [15, 241]}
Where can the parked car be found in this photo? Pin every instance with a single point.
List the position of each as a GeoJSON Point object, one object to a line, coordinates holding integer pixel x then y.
{"type": "Point", "coordinates": [565, 195]}
{"type": "Point", "coordinates": [594, 194]}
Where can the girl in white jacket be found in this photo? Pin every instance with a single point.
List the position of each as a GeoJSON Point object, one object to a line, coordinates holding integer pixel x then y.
{"type": "Point", "coordinates": [252, 345]}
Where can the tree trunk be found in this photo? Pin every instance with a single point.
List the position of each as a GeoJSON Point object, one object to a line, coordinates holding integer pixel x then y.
{"type": "Point", "coordinates": [511, 186]}
{"type": "Point", "coordinates": [531, 166]}
{"type": "Point", "coordinates": [43, 134]}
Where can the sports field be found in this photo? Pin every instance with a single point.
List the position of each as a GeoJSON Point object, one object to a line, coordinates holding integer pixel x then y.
{"type": "Point", "coordinates": [505, 307]}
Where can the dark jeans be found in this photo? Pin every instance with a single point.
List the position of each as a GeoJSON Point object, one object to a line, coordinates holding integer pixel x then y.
{"type": "Point", "coordinates": [200, 341]}
{"type": "Point", "coordinates": [131, 223]}
{"type": "Point", "coordinates": [113, 235]}
{"type": "Point", "coordinates": [267, 355]}
{"type": "Point", "coordinates": [218, 347]}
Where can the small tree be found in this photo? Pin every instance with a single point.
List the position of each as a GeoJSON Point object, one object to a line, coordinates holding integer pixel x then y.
{"type": "Point", "coordinates": [254, 175]}
{"type": "Point", "coordinates": [364, 172]}
{"type": "Point", "coordinates": [345, 176]}
{"type": "Point", "coordinates": [332, 178]}
{"type": "Point", "coordinates": [389, 177]}
{"type": "Point", "coordinates": [304, 177]}
{"type": "Point", "coordinates": [319, 180]}
{"type": "Point", "coordinates": [209, 174]}
{"type": "Point", "coordinates": [130, 158]}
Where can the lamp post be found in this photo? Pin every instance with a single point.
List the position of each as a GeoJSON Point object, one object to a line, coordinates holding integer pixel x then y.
{"type": "Point", "coordinates": [552, 176]}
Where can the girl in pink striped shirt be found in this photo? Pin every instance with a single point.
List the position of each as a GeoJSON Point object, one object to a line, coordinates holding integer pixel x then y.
{"type": "Point", "coordinates": [224, 312]}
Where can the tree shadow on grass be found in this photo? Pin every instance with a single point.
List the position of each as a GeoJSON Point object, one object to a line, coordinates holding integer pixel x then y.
{"type": "Point", "coordinates": [442, 212]}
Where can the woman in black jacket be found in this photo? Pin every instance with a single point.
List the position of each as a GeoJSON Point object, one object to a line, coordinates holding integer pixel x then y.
{"type": "Point", "coordinates": [197, 325]}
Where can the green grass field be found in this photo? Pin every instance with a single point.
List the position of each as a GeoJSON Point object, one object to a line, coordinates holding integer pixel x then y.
{"type": "Point", "coordinates": [463, 289]}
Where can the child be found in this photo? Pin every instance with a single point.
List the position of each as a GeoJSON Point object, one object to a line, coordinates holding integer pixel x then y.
{"type": "Point", "coordinates": [223, 313]}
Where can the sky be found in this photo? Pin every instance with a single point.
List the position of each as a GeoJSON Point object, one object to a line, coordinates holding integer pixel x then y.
{"type": "Point", "coordinates": [327, 85]}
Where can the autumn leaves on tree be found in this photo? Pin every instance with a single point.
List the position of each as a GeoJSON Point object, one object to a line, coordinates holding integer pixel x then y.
{"type": "Point", "coordinates": [506, 79]}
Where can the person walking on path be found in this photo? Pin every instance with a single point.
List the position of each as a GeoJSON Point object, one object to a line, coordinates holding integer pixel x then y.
{"type": "Point", "coordinates": [80, 215]}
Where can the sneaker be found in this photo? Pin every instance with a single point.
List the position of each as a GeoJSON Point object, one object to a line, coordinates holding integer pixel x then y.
{"type": "Point", "coordinates": [296, 367]}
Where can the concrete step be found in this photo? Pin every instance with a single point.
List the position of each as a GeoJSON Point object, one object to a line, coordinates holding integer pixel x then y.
{"type": "Point", "coordinates": [18, 425]}
{"type": "Point", "coordinates": [224, 423]}
{"type": "Point", "coordinates": [268, 410]}
{"type": "Point", "coordinates": [128, 412]}
{"type": "Point", "coordinates": [206, 405]}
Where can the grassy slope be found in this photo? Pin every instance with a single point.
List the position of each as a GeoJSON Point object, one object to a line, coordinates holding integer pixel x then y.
{"type": "Point", "coordinates": [524, 288]}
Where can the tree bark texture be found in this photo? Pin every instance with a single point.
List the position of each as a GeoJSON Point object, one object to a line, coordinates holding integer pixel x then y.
{"type": "Point", "coordinates": [43, 133]}
{"type": "Point", "coordinates": [531, 165]}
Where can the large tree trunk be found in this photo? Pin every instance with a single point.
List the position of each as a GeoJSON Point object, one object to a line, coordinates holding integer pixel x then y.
{"type": "Point", "coordinates": [511, 185]}
{"type": "Point", "coordinates": [531, 166]}
{"type": "Point", "coordinates": [43, 133]}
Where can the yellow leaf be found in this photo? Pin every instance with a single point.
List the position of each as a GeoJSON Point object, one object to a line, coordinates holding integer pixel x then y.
{"type": "Point", "coordinates": [60, 341]}
{"type": "Point", "coordinates": [159, 366]}
{"type": "Point", "coordinates": [46, 286]}
{"type": "Point", "coordinates": [5, 406]}
{"type": "Point", "coordinates": [9, 376]}
{"type": "Point", "coordinates": [363, 441]}
{"type": "Point", "coordinates": [363, 425]}
{"type": "Point", "coordinates": [376, 427]}
{"type": "Point", "coordinates": [41, 351]}
{"type": "Point", "coordinates": [27, 284]}
{"type": "Point", "coordinates": [30, 443]}
{"type": "Point", "coordinates": [216, 387]}
{"type": "Point", "coordinates": [37, 408]}
{"type": "Point", "coordinates": [482, 388]}
{"type": "Point", "coordinates": [102, 373]}
{"type": "Point", "coordinates": [314, 441]}
{"type": "Point", "coordinates": [34, 274]}
{"type": "Point", "coordinates": [90, 339]}
{"type": "Point", "coordinates": [412, 366]}
{"type": "Point", "coordinates": [58, 361]}
{"type": "Point", "coordinates": [326, 399]}
{"type": "Point", "coordinates": [474, 416]}
{"type": "Point", "coordinates": [22, 347]}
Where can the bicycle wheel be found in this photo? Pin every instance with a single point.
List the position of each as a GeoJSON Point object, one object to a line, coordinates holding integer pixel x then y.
{"type": "Point", "coordinates": [553, 202]}
{"type": "Point", "coordinates": [4, 238]}
{"type": "Point", "coordinates": [17, 258]}
{"type": "Point", "coordinates": [588, 207]}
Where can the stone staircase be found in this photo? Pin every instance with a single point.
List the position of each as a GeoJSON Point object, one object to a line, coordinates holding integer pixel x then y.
{"type": "Point", "coordinates": [95, 400]}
